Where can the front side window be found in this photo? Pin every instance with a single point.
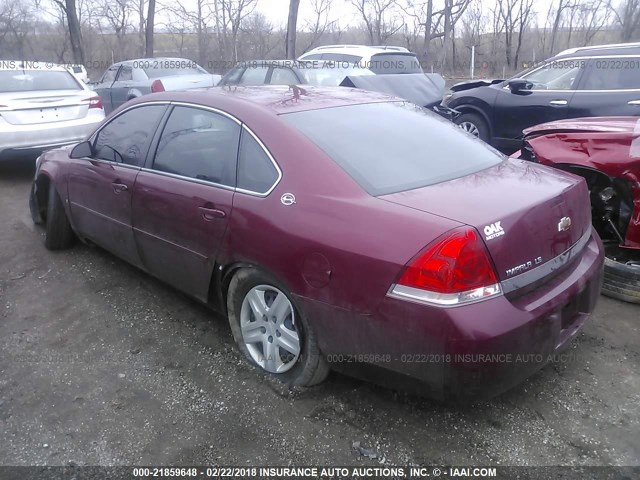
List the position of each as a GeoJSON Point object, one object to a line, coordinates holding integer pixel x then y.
{"type": "Point", "coordinates": [126, 74]}
{"type": "Point", "coordinates": [410, 149]}
{"type": "Point", "coordinates": [126, 138]}
{"type": "Point", "coordinates": [110, 75]}
{"type": "Point", "coordinates": [199, 144]}
{"type": "Point", "coordinates": [613, 74]}
{"type": "Point", "coordinates": [392, 63]}
{"type": "Point", "coordinates": [256, 171]}
{"type": "Point", "coordinates": [556, 75]}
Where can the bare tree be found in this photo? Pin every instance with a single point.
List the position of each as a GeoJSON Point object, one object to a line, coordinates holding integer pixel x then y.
{"type": "Point", "coordinates": [16, 25]}
{"type": "Point", "coordinates": [151, 12]}
{"type": "Point", "coordinates": [229, 15]}
{"type": "Point", "coordinates": [378, 19]}
{"type": "Point", "coordinates": [320, 24]}
{"type": "Point", "coordinates": [513, 17]}
{"type": "Point", "coordinates": [292, 23]}
{"type": "Point", "coordinates": [628, 16]}
{"type": "Point", "coordinates": [75, 34]}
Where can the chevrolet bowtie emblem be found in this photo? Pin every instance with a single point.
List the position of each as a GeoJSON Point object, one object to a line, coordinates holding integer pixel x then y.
{"type": "Point", "coordinates": [564, 224]}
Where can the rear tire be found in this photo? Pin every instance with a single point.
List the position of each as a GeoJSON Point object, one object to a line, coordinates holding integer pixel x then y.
{"type": "Point", "coordinates": [621, 280]}
{"type": "Point", "coordinates": [58, 232]}
{"type": "Point", "coordinates": [278, 340]}
{"type": "Point", "coordinates": [474, 124]}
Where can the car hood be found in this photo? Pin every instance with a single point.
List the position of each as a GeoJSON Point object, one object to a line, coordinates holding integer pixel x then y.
{"type": "Point", "coordinates": [629, 125]}
{"type": "Point", "coordinates": [420, 88]}
{"type": "Point", "coordinates": [468, 85]}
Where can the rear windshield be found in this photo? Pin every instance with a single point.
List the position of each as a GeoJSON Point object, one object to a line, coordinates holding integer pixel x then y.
{"type": "Point", "coordinates": [387, 63]}
{"type": "Point", "coordinates": [36, 80]}
{"type": "Point", "coordinates": [394, 146]}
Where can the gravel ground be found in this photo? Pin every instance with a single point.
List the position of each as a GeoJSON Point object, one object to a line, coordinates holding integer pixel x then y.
{"type": "Point", "coordinates": [103, 365]}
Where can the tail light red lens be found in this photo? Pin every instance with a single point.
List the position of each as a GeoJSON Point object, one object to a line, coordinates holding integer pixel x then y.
{"type": "Point", "coordinates": [95, 102]}
{"type": "Point", "coordinates": [454, 269]}
{"type": "Point", "coordinates": [157, 86]}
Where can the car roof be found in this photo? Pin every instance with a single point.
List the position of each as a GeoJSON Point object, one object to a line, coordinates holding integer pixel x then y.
{"type": "Point", "coordinates": [610, 49]}
{"type": "Point", "coordinates": [357, 49]}
{"type": "Point", "coordinates": [151, 60]}
{"type": "Point", "coordinates": [276, 63]}
{"type": "Point", "coordinates": [277, 99]}
{"type": "Point", "coordinates": [30, 65]}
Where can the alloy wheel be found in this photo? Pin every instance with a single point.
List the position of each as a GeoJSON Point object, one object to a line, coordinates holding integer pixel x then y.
{"type": "Point", "coordinates": [470, 128]}
{"type": "Point", "coordinates": [267, 323]}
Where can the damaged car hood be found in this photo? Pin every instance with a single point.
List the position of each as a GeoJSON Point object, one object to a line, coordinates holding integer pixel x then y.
{"type": "Point", "coordinates": [420, 88]}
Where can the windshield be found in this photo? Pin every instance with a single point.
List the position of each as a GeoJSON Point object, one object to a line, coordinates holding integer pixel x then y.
{"type": "Point", "coordinates": [412, 148]}
{"type": "Point", "coordinates": [330, 75]}
{"type": "Point", "coordinates": [386, 63]}
{"type": "Point", "coordinates": [36, 80]}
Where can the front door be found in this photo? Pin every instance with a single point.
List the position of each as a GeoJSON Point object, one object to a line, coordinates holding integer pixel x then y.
{"type": "Point", "coordinates": [101, 187]}
{"type": "Point", "coordinates": [182, 205]}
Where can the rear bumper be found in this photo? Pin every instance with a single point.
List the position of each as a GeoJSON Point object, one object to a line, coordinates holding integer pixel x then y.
{"type": "Point", "coordinates": [31, 140]}
{"type": "Point", "coordinates": [469, 352]}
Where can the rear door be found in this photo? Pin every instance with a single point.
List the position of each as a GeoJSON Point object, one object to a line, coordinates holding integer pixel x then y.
{"type": "Point", "coordinates": [553, 87]}
{"type": "Point", "coordinates": [611, 87]}
{"type": "Point", "coordinates": [182, 203]}
{"type": "Point", "coordinates": [120, 88]}
{"type": "Point", "coordinates": [103, 87]}
{"type": "Point", "coordinates": [101, 187]}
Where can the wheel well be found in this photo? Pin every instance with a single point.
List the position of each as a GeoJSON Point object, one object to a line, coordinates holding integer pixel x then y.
{"type": "Point", "coordinates": [469, 109]}
{"type": "Point", "coordinates": [219, 284]}
{"type": "Point", "coordinates": [42, 194]}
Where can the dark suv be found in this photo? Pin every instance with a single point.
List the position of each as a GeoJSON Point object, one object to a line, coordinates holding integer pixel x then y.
{"type": "Point", "coordinates": [580, 82]}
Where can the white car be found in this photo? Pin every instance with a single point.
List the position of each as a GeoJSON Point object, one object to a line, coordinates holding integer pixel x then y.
{"type": "Point", "coordinates": [43, 106]}
{"type": "Point", "coordinates": [378, 59]}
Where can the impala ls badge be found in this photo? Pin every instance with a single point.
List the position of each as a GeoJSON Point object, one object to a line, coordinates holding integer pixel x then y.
{"type": "Point", "coordinates": [564, 224]}
{"type": "Point", "coordinates": [288, 199]}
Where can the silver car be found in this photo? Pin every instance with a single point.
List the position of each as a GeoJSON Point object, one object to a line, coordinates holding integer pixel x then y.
{"type": "Point", "coordinates": [130, 79]}
{"type": "Point", "coordinates": [43, 106]}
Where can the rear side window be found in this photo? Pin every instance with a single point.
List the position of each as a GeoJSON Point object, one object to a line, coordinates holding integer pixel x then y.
{"type": "Point", "coordinates": [613, 74]}
{"type": "Point", "coordinates": [411, 148]}
{"type": "Point", "coordinates": [36, 80]}
{"type": "Point", "coordinates": [283, 76]}
{"type": "Point", "coordinates": [199, 144]}
{"type": "Point", "coordinates": [256, 171]}
{"type": "Point", "coordinates": [127, 137]}
{"type": "Point", "coordinates": [254, 75]}
{"type": "Point", "coordinates": [389, 63]}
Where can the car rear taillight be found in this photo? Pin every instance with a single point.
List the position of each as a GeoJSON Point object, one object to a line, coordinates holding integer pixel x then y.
{"type": "Point", "coordinates": [95, 102]}
{"type": "Point", "coordinates": [453, 270]}
{"type": "Point", "coordinates": [157, 86]}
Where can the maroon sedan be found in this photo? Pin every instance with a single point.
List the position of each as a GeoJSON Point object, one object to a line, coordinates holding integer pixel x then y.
{"type": "Point", "coordinates": [337, 228]}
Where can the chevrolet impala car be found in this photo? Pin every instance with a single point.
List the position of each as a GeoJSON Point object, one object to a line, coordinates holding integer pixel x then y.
{"type": "Point", "coordinates": [337, 228]}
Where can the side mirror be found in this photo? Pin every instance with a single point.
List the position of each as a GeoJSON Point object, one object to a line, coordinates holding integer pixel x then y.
{"type": "Point", "coordinates": [82, 150]}
{"type": "Point", "coordinates": [519, 84]}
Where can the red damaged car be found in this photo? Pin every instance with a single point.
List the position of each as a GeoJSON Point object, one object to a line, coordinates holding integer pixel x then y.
{"type": "Point", "coordinates": [337, 228]}
{"type": "Point", "coordinates": [606, 152]}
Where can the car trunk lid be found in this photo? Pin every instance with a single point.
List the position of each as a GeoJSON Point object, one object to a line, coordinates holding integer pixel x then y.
{"type": "Point", "coordinates": [526, 214]}
{"type": "Point", "coordinates": [33, 107]}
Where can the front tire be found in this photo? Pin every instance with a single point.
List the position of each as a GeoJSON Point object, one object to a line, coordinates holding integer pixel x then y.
{"type": "Point", "coordinates": [271, 332]}
{"type": "Point", "coordinates": [475, 125]}
{"type": "Point", "coordinates": [58, 232]}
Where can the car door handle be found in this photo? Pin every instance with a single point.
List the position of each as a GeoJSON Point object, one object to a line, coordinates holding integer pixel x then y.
{"type": "Point", "coordinates": [558, 103]}
{"type": "Point", "coordinates": [634, 102]}
{"type": "Point", "coordinates": [119, 187]}
{"type": "Point", "coordinates": [210, 214]}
